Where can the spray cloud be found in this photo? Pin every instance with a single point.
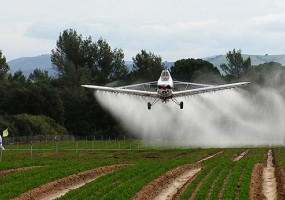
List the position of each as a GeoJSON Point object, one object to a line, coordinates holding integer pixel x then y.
{"type": "Point", "coordinates": [229, 118]}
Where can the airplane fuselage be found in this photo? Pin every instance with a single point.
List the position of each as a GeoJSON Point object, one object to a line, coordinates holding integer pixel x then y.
{"type": "Point", "coordinates": [165, 85]}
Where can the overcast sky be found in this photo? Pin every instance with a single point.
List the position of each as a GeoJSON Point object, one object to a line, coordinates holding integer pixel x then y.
{"type": "Point", "coordinates": [173, 29]}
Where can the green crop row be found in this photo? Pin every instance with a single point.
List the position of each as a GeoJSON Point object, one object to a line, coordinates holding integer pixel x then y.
{"type": "Point", "coordinates": [131, 180]}
{"type": "Point", "coordinates": [221, 172]}
{"type": "Point", "coordinates": [212, 168]}
{"type": "Point", "coordinates": [148, 165]}
{"type": "Point", "coordinates": [64, 163]}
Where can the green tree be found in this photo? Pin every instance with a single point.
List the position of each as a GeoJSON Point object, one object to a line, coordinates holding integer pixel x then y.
{"type": "Point", "coordinates": [109, 65]}
{"type": "Point", "coordinates": [82, 61]}
{"type": "Point", "coordinates": [4, 67]}
{"type": "Point", "coordinates": [69, 48]}
{"type": "Point", "coordinates": [269, 74]}
{"type": "Point", "coordinates": [71, 61]}
{"type": "Point", "coordinates": [17, 78]}
{"type": "Point", "coordinates": [40, 78]}
{"type": "Point", "coordinates": [236, 64]}
{"type": "Point", "coordinates": [195, 70]}
{"type": "Point", "coordinates": [32, 99]}
{"type": "Point", "coordinates": [147, 66]}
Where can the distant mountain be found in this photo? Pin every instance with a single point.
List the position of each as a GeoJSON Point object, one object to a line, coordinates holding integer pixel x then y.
{"type": "Point", "coordinates": [255, 59]}
{"type": "Point", "coordinates": [28, 64]}
{"type": "Point", "coordinates": [130, 64]}
{"type": "Point", "coordinates": [43, 62]}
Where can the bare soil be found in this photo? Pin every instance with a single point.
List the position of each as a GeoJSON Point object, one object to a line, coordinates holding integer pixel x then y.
{"type": "Point", "coordinates": [171, 184]}
{"type": "Point", "coordinates": [168, 180]}
{"type": "Point", "coordinates": [280, 178]}
{"type": "Point", "coordinates": [269, 186]}
{"type": "Point", "coordinates": [256, 183]}
{"type": "Point", "coordinates": [59, 187]}
{"type": "Point", "coordinates": [11, 171]}
{"type": "Point", "coordinates": [208, 156]}
{"type": "Point", "coordinates": [241, 155]}
{"type": "Point", "coordinates": [177, 184]}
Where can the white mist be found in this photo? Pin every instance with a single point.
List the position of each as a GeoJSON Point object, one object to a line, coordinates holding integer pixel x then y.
{"type": "Point", "coordinates": [229, 118]}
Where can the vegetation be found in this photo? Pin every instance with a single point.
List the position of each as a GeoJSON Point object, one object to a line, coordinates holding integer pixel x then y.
{"type": "Point", "coordinates": [79, 60]}
{"type": "Point", "coordinates": [236, 65]}
{"type": "Point", "coordinates": [221, 177]}
{"type": "Point", "coordinates": [224, 178]}
{"type": "Point", "coordinates": [195, 70]}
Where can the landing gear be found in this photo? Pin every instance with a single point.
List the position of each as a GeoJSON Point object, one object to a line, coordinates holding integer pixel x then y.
{"type": "Point", "coordinates": [181, 105]}
{"type": "Point", "coordinates": [149, 105]}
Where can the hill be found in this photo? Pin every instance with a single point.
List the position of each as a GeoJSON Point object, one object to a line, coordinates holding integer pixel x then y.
{"type": "Point", "coordinates": [43, 62]}
{"type": "Point", "coordinates": [28, 64]}
{"type": "Point", "coordinates": [255, 59]}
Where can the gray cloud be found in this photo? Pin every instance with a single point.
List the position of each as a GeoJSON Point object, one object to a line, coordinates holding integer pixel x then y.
{"type": "Point", "coordinates": [171, 29]}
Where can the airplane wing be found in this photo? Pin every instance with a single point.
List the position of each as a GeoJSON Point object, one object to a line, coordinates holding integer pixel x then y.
{"type": "Point", "coordinates": [188, 83]}
{"type": "Point", "coordinates": [123, 91]}
{"type": "Point", "coordinates": [143, 85]}
{"type": "Point", "coordinates": [209, 88]}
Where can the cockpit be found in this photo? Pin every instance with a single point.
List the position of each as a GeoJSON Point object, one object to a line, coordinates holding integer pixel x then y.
{"type": "Point", "coordinates": [165, 75]}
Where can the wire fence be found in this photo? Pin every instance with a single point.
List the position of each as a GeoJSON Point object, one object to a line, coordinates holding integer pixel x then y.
{"type": "Point", "coordinates": [49, 138]}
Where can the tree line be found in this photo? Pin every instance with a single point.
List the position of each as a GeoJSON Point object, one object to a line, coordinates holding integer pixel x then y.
{"type": "Point", "coordinates": [44, 104]}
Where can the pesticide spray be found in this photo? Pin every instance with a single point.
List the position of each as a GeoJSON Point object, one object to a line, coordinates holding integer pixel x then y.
{"type": "Point", "coordinates": [229, 118]}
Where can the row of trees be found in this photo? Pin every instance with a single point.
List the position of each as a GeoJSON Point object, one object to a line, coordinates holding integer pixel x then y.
{"type": "Point", "coordinates": [62, 101]}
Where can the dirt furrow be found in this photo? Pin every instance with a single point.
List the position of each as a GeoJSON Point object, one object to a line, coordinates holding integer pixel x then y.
{"type": "Point", "coordinates": [280, 178]}
{"type": "Point", "coordinates": [59, 187]}
{"type": "Point", "coordinates": [256, 183]}
{"type": "Point", "coordinates": [269, 185]}
{"type": "Point", "coordinates": [177, 184]}
{"type": "Point", "coordinates": [209, 156]}
{"type": "Point", "coordinates": [240, 156]}
{"type": "Point", "coordinates": [12, 171]}
{"type": "Point", "coordinates": [166, 185]}
{"type": "Point", "coordinates": [171, 184]}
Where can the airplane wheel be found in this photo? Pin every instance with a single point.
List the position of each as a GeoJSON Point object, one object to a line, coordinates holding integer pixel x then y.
{"type": "Point", "coordinates": [149, 105]}
{"type": "Point", "coordinates": [181, 105]}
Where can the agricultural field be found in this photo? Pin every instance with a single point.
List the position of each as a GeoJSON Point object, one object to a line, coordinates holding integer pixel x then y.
{"type": "Point", "coordinates": [134, 170]}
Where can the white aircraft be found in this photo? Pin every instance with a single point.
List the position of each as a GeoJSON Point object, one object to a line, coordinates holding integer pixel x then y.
{"type": "Point", "coordinates": [165, 89]}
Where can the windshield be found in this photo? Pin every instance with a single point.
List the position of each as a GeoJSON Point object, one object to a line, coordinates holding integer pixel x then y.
{"type": "Point", "coordinates": [164, 75]}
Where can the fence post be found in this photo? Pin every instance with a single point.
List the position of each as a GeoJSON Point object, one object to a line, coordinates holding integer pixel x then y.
{"type": "Point", "coordinates": [77, 147]}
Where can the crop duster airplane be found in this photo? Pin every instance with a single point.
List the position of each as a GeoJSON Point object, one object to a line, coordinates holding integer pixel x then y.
{"type": "Point", "coordinates": [165, 89]}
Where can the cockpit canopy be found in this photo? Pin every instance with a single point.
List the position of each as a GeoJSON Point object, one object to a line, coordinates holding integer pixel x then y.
{"type": "Point", "coordinates": [165, 75]}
